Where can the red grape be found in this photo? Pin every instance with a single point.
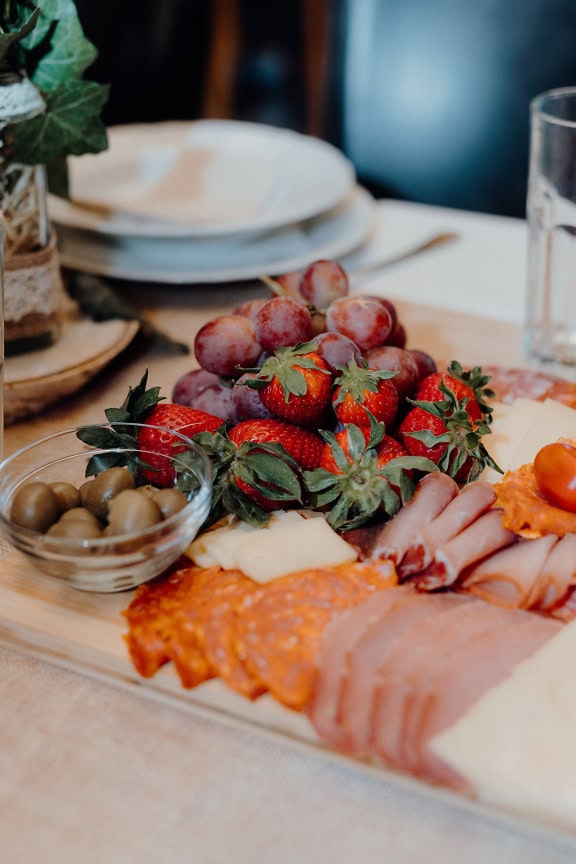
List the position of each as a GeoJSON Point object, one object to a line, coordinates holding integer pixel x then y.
{"type": "Point", "coordinates": [191, 384]}
{"type": "Point", "coordinates": [216, 400]}
{"type": "Point", "coordinates": [395, 360]}
{"type": "Point", "coordinates": [363, 319]}
{"type": "Point", "coordinates": [282, 321]}
{"type": "Point", "coordinates": [425, 362]}
{"type": "Point", "coordinates": [389, 305]}
{"type": "Point", "coordinates": [246, 401]}
{"type": "Point", "coordinates": [225, 343]}
{"type": "Point", "coordinates": [397, 336]}
{"type": "Point", "coordinates": [337, 349]}
{"type": "Point", "coordinates": [323, 282]}
{"type": "Point", "coordinates": [249, 308]}
{"type": "Point", "coordinates": [290, 284]}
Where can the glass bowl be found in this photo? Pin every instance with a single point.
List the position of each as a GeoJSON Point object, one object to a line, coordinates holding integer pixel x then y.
{"type": "Point", "coordinates": [108, 563]}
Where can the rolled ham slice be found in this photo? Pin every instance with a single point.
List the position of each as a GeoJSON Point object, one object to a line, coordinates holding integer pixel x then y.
{"type": "Point", "coordinates": [483, 537]}
{"type": "Point", "coordinates": [468, 674]}
{"type": "Point", "coordinates": [508, 577]}
{"type": "Point", "coordinates": [467, 506]}
{"type": "Point", "coordinates": [338, 640]}
{"type": "Point", "coordinates": [557, 575]}
{"type": "Point", "coordinates": [433, 493]}
{"type": "Point", "coordinates": [368, 655]}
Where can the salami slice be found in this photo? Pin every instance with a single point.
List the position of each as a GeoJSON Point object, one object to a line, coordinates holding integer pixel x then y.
{"type": "Point", "coordinates": [280, 625]}
{"type": "Point", "coordinates": [509, 384]}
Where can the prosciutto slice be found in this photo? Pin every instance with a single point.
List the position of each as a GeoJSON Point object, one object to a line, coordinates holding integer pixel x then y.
{"type": "Point", "coordinates": [338, 640]}
{"type": "Point", "coordinates": [467, 506]}
{"type": "Point", "coordinates": [432, 495]}
{"type": "Point", "coordinates": [508, 577]}
{"type": "Point", "coordinates": [483, 537]}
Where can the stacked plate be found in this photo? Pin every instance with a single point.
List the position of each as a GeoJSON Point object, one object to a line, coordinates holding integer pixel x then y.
{"type": "Point", "coordinates": [209, 201]}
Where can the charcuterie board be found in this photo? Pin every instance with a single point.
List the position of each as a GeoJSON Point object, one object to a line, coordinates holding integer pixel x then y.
{"type": "Point", "coordinates": [85, 632]}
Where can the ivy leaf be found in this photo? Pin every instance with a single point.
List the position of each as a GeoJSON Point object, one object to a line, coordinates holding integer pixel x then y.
{"type": "Point", "coordinates": [57, 47]}
{"type": "Point", "coordinates": [71, 124]}
{"type": "Point", "coordinates": [8, 39]}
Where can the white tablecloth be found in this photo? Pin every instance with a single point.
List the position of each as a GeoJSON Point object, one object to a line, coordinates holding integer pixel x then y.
{"type": "Point", "coordinates": [92, 774]}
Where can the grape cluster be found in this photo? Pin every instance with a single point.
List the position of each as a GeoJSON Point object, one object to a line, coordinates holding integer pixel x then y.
{"type": "Point", "coordinates": [312, 304]}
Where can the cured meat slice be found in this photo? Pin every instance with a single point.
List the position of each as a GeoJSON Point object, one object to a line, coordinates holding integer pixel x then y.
{"type": "Point", "coordinates": [475, 621]}
{"type": "Point", "coordinates": [369, 656]}
{"type": "Point", "coordinates": [483, 537]}
{"type": "Point", "coordinates": [154, 611]}
{"type": "Point", "coordinates": [509, 383]}
{"type": "Point", "coordinates": [556, 576]}
{"type": "Point", "coordinates": [432, 495]}
{"type": "Point", "coordinates": [204, 640]}
{"type": "Point", "coordinates": [470, 673]}
{"type": "Point", "coordinates": [508, 577]}
{"type": "Point", "coordinates": [338, 640]}
{"type": "Point", "coordinates": [393, 680]}
{"type": "Point", "coordinates": [467, 506]}
{"type": "Point", "coordinates": [280, 625]}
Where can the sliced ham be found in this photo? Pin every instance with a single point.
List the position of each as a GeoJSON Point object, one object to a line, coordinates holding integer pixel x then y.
{"type": "Point", "coordinates": [338, 639]}
{"type": "Point", "coordinates": [556, 576]}
{"type": "Point", "coordinates": [368, 655]}
{"type": "Point", "coordinates": [483, 537]}
{"type": "Point", "coordinates": [393, 680]}
{"type": "Point", "coordinates": [475, 620]}
{"type": "Point", "coordinates": [467, 506]}
{"type": "Point", "coordinates": [468, 674]}
{"type": "Point", "coordinates": [433, 493]}
{"type": "Point", "coordinates": [508, 577]}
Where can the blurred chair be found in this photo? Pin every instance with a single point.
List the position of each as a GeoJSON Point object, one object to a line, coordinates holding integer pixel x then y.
{"type": "Point", "coordinates": [435, 94]}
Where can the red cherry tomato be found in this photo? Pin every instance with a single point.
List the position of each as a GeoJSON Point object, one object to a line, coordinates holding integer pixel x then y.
{"type": "Point", "coordinates": [555, 470]}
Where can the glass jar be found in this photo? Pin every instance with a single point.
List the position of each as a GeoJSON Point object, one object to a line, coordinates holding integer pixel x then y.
{"type": "Point", "coordinates": [32, 283]}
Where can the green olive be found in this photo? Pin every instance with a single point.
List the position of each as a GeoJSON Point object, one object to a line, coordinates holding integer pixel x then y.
{"type": "Point", "coordinates": [170, 501]}
{"type": "Point", "coordinates": [35, 507]}
{"type": "Point", "coordinates": [81, 514]}
{"type": "Point", "coordinates": [75, 529]}
{"type": "Point", "coordinates": [131, 511]}
{"type": "Point", "coordinates": [96, 494]}
{"type": "Point", "coordinates": [67, 494]}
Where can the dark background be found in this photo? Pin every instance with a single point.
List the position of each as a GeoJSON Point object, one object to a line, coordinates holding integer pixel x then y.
{"type": "Point", "coordinates": [429, 98]}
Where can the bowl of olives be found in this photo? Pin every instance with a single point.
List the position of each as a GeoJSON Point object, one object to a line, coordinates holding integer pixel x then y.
{"type": "Point", "coordinates": [92, 515]}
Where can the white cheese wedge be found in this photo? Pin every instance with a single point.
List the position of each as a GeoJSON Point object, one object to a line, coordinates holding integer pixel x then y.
{"type": "Point", "coordinates": [552, 422]}
{"type": "Point", "coordinates": [274, 553]}
{"type": "Point", "coordinates": [289, 542]}
{"type": "Point", "coordinates": [510, 424]}
{"type": "Point", "coordinates": [217, 547]}
{"type": "Point", "coordinates": [517, 744]}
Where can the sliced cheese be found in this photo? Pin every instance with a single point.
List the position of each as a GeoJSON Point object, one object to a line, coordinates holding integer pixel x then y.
{"type": "Point", "coordinates": [509, 426]}
{"type": "Point", "coordinates": [517, 745]}
{"type": "Point", "coordinates": [217, 547]}
{"type": "Point", "coordinates": [554, 421]}
{"type": "Point", "coordinates": [290, 541]}
{"type": "Point", "coordinates": [274, 553]}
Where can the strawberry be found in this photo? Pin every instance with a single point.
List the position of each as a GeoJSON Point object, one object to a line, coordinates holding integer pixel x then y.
{"type": "Point", "coordinates": [356, 482]}
{"type": "Point", "coordinates": [389, 448]}
{"type": "Point", "coordinates": [303, 445]}
{"type": "Point", "coordinates": [141, 406]}
{"type": "Point", "coordinates": [360, 391]}
{"type": "Point", "coordinates": [295, 384]}
{"type": "Point", "coordinates": [443, 432]}
{"type": "Point", "coordinates": [251, 478]}
{"type": "Point", "coordinates": [465, 385]}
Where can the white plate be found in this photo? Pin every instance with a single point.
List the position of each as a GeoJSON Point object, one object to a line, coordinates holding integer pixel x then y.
{"type": "Point", "coordinates": [202, 179]}
{"type": "Point", "coordinates": [185, 261]}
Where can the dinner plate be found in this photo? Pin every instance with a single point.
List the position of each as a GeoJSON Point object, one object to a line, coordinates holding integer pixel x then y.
{"type": "Point", "coordinates": [203, 178]}
{"type": "Point", "coordinates": [36, 379]}
{"type": "Point", "coordinates": [189, 261]}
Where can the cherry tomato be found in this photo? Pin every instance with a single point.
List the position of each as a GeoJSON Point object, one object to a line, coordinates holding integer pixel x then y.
{"type": "Point", "coordinates": [555, 470]}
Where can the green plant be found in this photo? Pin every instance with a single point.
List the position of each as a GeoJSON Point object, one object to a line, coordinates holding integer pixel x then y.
{"type": "Point", "coordinates": [46, 41]}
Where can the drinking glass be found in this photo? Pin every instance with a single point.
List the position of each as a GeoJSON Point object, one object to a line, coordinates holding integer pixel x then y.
{"type": "Point", "coordinates": [550, 325]}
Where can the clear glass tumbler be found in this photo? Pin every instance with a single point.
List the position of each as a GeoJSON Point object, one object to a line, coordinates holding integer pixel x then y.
{"type": "Point", "coordinates": [550, 325]}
